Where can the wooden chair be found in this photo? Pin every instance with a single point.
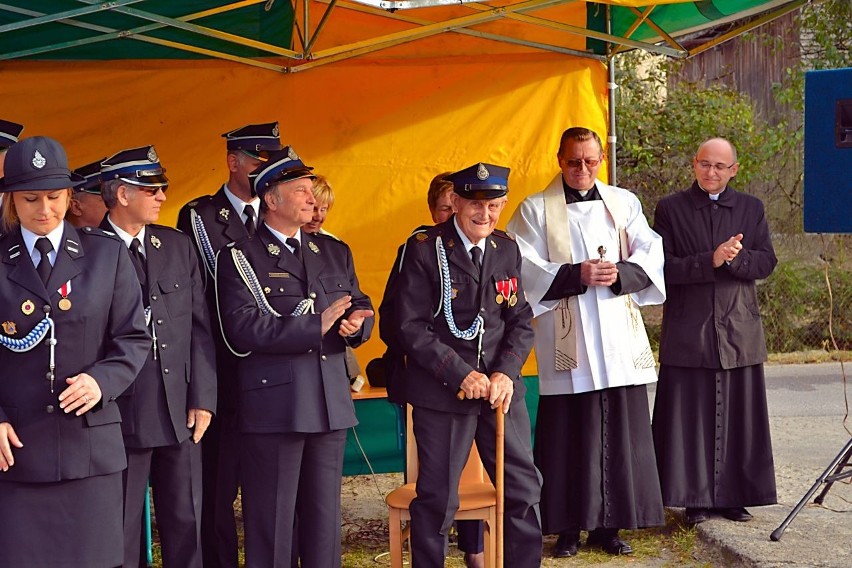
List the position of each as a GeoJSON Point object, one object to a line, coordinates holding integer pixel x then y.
{"type": "Point", "coordinates": [477, 501]}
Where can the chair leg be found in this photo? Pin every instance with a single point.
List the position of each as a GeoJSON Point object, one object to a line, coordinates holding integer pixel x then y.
{"type": "Point", "coordinates": [395, 537]}
{"type": "Point", "coordinates": [491, 540]}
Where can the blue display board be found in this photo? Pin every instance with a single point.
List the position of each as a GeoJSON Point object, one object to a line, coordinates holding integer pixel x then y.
{"type": "Point", "coordinates": [828, 151]}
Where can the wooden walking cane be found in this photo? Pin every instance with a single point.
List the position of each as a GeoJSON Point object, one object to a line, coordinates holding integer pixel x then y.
{"type": "Point", "coordinates": [501, 438]}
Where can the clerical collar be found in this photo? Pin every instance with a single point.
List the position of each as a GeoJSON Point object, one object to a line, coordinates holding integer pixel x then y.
{"type": "Point", "coordinates": [574, 196]}
{"type": "Point", "coordinates": [712, 196]}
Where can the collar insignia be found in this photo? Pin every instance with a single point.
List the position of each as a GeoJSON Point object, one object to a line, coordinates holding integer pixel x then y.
{"type": "Point", "coordinates": [314, 248]}
{"type": "Point", "coordinates": [155, 241]}
{"type": "Point", "coordinates": [273, 249]}
{"type": "Point", "coordinates": [223, 213]}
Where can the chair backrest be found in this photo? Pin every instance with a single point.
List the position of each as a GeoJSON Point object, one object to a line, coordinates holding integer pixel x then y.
{"type": "Point", "coordinates": [474, 471]}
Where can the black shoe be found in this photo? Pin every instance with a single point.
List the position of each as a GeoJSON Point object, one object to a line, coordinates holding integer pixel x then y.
{"type": "Point", "coordinates": [739, 514]}
{"type": "Point", "coordinates": [608, 541]}
{"type": "Point", "coordinates": [696, 515]}
{"type": "Point", "coordinates": [566, 545]}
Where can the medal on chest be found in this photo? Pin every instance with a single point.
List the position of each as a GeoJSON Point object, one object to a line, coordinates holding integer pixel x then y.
{"type": "Point", "coordinates": [64, 303]}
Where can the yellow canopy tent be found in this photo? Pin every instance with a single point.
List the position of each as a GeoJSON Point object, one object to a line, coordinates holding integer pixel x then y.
{"type": "Point", "coordinates": [378, 113]}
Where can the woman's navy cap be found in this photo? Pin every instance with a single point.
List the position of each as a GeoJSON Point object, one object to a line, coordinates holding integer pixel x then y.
{"type": "Point", "coordinates": [9, 132]}
{"type": "Point", "coordinates": [38, 163]}
{"type": "Point", "coordinates": [282, 166]}
{"type": "Point", "coordinates": [480, 181]}
{"type": "Point", "coordinates": [137, 166]}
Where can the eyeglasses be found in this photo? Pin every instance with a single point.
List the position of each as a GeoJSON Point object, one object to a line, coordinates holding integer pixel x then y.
{"type": "Point", "coordinates": [576, 164]}
{"type": "Point", "coordinates": [705, 165]}
{"type": "Point", "coordinates": [152, 191]}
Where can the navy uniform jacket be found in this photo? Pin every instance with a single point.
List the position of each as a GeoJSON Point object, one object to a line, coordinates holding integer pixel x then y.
{"type": "Point", "coordinates": [437, 361]}
{"type": "Point", "coordinates": [224, 226]}
{"type": "Point", "coordinates": [183, 376]}
{"type": "Point", "coordinates": [295, 379]}
{"type": "Point", "coordinates": [102, 334]}
{"type": "Point", "coordinates": [711, 318]}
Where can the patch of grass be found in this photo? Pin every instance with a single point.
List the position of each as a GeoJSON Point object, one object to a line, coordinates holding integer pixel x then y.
{"type": "Point", "coordinates": [810, 356]}
{"type": "Point", "coordinates": [673, 545]}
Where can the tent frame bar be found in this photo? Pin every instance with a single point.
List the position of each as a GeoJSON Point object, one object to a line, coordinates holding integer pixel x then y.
{"type": "Point", "coordinates": [307, 58]}
{"type": "Point", "coordinates": [766, 18]}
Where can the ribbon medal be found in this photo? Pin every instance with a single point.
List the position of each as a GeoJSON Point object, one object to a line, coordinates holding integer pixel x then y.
{"type": "Point", "coordinates": [503, 291]}
{"type": "Point", "coordinates": [64, 290]}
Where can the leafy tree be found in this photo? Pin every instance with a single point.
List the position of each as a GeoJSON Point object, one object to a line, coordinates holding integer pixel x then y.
{"type": "Point", "coordinates": [659, 129]}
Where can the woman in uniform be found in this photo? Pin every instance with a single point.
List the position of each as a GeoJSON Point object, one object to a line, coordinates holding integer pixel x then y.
{"type": "Point", "coordinates": [73, 339]}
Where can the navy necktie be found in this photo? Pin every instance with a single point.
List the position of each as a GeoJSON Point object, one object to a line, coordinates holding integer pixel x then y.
{"type": "Point", "coordinates": [476, 255]}
{"type": "Point", "coordinates": [297, 249]}
{"type": "Point", "coordinates": [44, 246]}
{"type": "Point", "coordinates": [139, 264]}
{"type": "Point", "coordinates": [251, 224]}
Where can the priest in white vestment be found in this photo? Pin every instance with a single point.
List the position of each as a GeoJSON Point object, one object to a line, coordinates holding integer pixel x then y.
{"type": "Point", "coordinates": [590, 259]}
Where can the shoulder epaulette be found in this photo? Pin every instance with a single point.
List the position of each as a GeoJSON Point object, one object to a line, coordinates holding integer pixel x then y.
{"type": "Point", "coordinates": [166, 228]}
{"type": "Point", "coordinates": [99, 232]}
{"type": "Point", "coordinates": [326, 236]}
{"type": "Point", "coordinates": [503, 234]}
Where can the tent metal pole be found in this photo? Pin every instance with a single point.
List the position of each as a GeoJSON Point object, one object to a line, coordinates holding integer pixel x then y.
{"type": "Point", "coordinates": [399, 16]}
{"type": "Point", "coordinates": [766, 18]}
{"type": "Point", "coordinates": [46, 19]}
{"type": "Point", "coordinates": [611, 138]}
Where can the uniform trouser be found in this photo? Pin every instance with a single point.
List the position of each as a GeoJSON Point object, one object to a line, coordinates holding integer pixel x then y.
{"type": "Point", "coordinates": [284, 475]}
{"type": "Point", "coordinates": [443, 446]}
{"type": "Point", "coordinates": [220, 481]}
{"type": "Point", "coordinates": [175, 475]}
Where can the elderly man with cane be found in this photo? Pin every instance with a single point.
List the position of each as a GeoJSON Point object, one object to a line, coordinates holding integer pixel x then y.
{"type": "Point", "coordinates": [465, 326]}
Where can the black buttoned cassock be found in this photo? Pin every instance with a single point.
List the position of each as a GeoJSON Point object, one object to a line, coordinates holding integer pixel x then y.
{"type": "Point", "coordinates": [73, 461]}
{"type": "Point", "coordinates": [438, 362]}
{"type": "Point", "coordinates": [294, 399]}
{"type": "Point", "coordinates": [178, 375]}
{"type": "Point", "coordinates": [221, 444]}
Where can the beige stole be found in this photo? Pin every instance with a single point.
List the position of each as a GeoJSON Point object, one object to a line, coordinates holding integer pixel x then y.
{"type": "Point", "coordinates": [559, 249]}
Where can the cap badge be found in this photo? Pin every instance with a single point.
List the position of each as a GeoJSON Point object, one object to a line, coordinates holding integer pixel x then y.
{"type": "Point", "coordinates": [291, 153]}
{"type": "Point", "coordinates": [275, 130]}
{"type": "Point", "coordinates": [27, 308]}
{"type": "Point", "coordinates": [152, 154]}
{"type": "Point", "coordinates": [155, 241]}
{"type": "Point", "coordinates": [223, 213]}
{"type": "Point", "coordinates": [38, 160]}
{"type": "Point", "coordinates": [10, 328]}
{"type": "Point", "coordinates": [314, 248]}
{"type": "Point", "coordinates": [482, 173]}
{"type": "Point", "coordinates": [273, 249]}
